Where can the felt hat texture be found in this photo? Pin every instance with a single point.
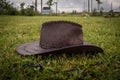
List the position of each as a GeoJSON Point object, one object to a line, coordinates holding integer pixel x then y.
{"type": "Point", "coordinates": [59, 36]}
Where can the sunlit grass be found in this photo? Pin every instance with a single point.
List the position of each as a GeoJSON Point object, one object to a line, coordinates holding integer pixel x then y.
{"type": "Point", "coordinates": [105, 33]}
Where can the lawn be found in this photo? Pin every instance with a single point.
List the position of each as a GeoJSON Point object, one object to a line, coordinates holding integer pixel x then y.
{"type": "Point", "coordinates": [103, 32]}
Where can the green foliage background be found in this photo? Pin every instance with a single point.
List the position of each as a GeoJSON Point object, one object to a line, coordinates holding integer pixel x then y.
{"type": "Point", "coordinates": [103, 32]}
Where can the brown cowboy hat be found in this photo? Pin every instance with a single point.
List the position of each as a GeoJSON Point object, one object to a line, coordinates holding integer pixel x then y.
{"type": "Point", "coordinates": [59, 36]}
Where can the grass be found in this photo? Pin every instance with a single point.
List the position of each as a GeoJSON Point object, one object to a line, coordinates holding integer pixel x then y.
{"type": "Point", "coordinates": [105, 33]}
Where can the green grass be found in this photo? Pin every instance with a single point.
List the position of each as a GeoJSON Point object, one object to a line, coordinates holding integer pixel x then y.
{"type": "Point", "coordinates": [105, 33]}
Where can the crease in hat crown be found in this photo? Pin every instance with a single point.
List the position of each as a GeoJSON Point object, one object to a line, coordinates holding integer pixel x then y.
{"type": "Point", "coordinates": [58, 34]}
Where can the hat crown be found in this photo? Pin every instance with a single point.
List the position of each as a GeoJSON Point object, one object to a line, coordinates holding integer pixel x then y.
{"type": "Point", "coordinates": [58, 34]}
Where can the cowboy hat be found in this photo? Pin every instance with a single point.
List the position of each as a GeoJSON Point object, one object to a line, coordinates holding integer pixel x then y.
{"type": "Point", "coordinates": [59, 36]}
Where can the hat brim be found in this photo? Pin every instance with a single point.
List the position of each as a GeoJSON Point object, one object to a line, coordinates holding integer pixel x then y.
{"type": "Point", "coordinates": [33, 48]}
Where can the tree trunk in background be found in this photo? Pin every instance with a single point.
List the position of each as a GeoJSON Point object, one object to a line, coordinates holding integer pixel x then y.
{"type": "Point", "coordinates": [41, 5]}
{"type": "Point", "coordinates": [98, 6]}
{"type": "Point", "coordinates": [91, 5]}
{"type": "Point", "coordinates": [111, 6]}
{"type": "Point", "coordinates": [56, 7]}
{"type": "Point", "coordinates": [35, 5]}
{"type": "Point", "coordinates": [22, 5]}
{"type": "Point", "coordinates": [99, 2]}
{"type": "Point", "coordinates": [50, 3]}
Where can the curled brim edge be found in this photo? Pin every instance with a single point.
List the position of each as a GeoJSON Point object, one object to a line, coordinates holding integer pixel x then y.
{"type": "Point", "coordinates": [33, 48]}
